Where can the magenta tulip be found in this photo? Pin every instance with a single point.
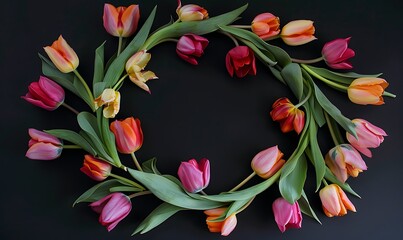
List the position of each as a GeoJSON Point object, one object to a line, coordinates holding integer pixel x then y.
{"type": "Point", "coordinates": [190, 46]}
{"type": "Point", "coordinates": [193, 175]}
{"type": "Point", "coordinates": [43, 146]}
{"type": "Point", "coordinates": [286, 215]}
{"type": "Point", "coordinates": [241, 61]}
{"type": "Point", "coordinates": [336, 53]}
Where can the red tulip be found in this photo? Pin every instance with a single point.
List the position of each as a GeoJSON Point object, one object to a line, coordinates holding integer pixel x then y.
{"type": "Point", "coordinates": [190, 46]}
{"type": "Point", "coordinates": [290, 117]}
{"type": "Point", "coordinates": [336, 53]}
{"type": "Point", "coordinates": [128, 134]}
{"type": "Point", "coordinates": [241, 61]}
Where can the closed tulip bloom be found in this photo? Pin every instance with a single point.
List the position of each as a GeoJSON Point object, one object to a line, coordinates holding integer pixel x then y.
{"type": "Point", "coordinates": [190, 46]}
{"type": "Point", "coordinates": [111, 100]}
{"type": "Point", "coordinates": [335, 201]}
{"type": "Point", "coordinates": [128, 134]}
{"type": "Point", "coordinates": [367, 91]}
{"type": "Point", "coordinates": [336, 53]}
{"type": "Point", "coordinates": [289, 117]}
{"type": "Point", "coordinates": [95, 168]}
{"type": "Point", "coordinates": [193, 175]}
{"type": "Point", "coordinates": [121, 21]}
{"type": "Point", "coordinates": [135, 68]}
{"type": "Point", "coordinates": [267, 162]}
{"type": "Point", "coordinates": [368, 136]}
{"type": "Point", "coordinates": [298, 32]}
{"type": "Point", "coordinates": [43, 146]}
{"type": "Point", "coordinates": [62, 55]}
{"type": "Point", "coordinates": [191, 12]}
{"type": "Point", "coordinates": [241, 61]}
{"type": "Point", "coordinates": [224, 227]}
{"type": "Point", "coordinates": [266, 25]}
{"type": "Point", "coordinates": [286, 215]}
{"type": "Point", "coordinates": [344, 161]}
{"type": "Point", "coordinates": [112, 209]}
{"type": "Point", "coordinates": [45, 94]}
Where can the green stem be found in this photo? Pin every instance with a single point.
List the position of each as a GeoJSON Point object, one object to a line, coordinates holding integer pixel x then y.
{"type": "Point", "coordinates": [245, 206]}
{"type": "Point", "coordinates": [120, 81]}
{"type": "Point", "coordinates": [388, 94]}
{"type": "Point", "coordinates": [331, 130]}
{"type": "Point", "coordinates": [70, 108]}
{"type": "Point", "coordinates": [307, 61]}
{"type": "Point", "coordinates": [136, 162]}
{"type": "Point", "coordinates": [324, 182]}
{"type": "Point", "coordinates": [139, 194]}
{"type": "Point", "coordinates": [123, 179]}
{"type": "Point", "coordinates": [71, 147]}
{"type": "Point", "coordinates": [305, 99]}
{"type": "Point", "coordinates": [86, 87]}
{"type": "Point", "coordinates": [241, 26]}
{"type": "Point", "coordinates": [243, 182]}
{"type": "Point", "coordinates": [202, 192]}
{"type": "Point", "coordinates": [325, 80]}
{"type": "Point", "coordinates": [231, 37]}
{"type": "Point", "coordinates": [259, 53]}
{"type": "Point", "coordinates": [119, 46]}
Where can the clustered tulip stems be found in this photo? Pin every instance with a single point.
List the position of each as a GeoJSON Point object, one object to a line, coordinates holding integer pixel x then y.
{"type": "Point", "coordinates": [103, 141]}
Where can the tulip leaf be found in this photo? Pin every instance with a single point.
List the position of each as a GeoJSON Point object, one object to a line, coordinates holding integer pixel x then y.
{"type": "Point", "coordinates": [316, 154]}
{"type": "Point", "coordinates": [99, 87]}
{"type": "Point", "coordinates": [277, 74]}
{"type": "Point", "coordinates": [317, 110]}
{"type": "Point", "coordinates": [292, 75]}
{"type": "Point", "coordinates": [306, 207]}
{"type": "Point", "coordinates": [125, 189]}
{"type": "Point", "coordinates": [98, 191]}
{"type": "Point", "coordinates": [109, 139]}
{"type": "Point", "coordinates": [88, 122]}
{"type": "Point", "coordinates": [150, 166]}
{"type": "Point", "coordinates": [170, 192]}
{"type": "Point", "coordinates": [73, 137]}
{"type": "Point", "coordinates": [237, 205]}
{"type": "Point", "coordinates": [156, 217]}
{"type": "Point", "coordinates": [345, 186]}
{"type": "Point", "coordinates": [291, 186]}
{"type": "Point", "coordinates": [98, 68]}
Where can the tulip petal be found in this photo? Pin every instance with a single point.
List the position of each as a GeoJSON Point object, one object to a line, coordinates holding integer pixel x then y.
{"type": "Point", "coordinates": [110, 19]}
{"type": "Point", "coordinates": [41, 136]}
{"type": "Point", "coordinates": [43, 151]}
{"type": "Point", "coordinates": [130, 19]}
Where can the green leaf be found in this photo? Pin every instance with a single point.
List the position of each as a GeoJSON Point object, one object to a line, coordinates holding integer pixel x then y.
{"type": "Point", "coordinates": [109, 139]}
{"type": "Point", "coordinates": [88, 122]}
{"type": "Point", "coordinates": [317, 110]}
{"type": "Point", "coordinates": [277, 74]}
{"type": "Point", "coordinates": [291, 186]}
{"type": "Point", "coordinates": [317, 156]}
{"type": "Point", "coordinates": [125, 189]}
{"type": "Point", "coordinates": [98, 191]}
{"type": "Point", "coordinates": [236, 206]}
{"type": "Point", "coordinates": [345, 186]}
{"type": "Point", "coordinates": [293, 77]}
{"type": "Point", "coordinates": [344, 78]}
{"type": "Point", "coordinates": [306, 207]}
{"type": "Point", "coordinates": [98, 68]}
{"type": "Point", "coordinates": [170, 192]}
{"type": "Point", "coordinates": [156, 217]}
{"type": "Point", "coordinates": [150, 166]}
{"type": "Point", "coordinates": [72, 137]}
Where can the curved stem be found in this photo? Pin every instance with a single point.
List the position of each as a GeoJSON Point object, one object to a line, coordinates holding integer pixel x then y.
{"type": "Point", "coordinates": [388, 94]}
{"type": "Point", "coordinates": [331, 130]}
{"type": "Point", "coordinates": [86, 87]}
{"type": "Point", "coordinates": [70, 108]}
{"type": "Point", "coordinates": [136, 162]}
{"type": "Point", "coordinates": [325, 80]}
{"type": "Point", "coordinates": [139, 194]}
{"type": "Point", "coordinates": [324, 182]}
{"type": "Point", "coordinates": [119, 46]}
{"type": "Point", "coordinates": [71, 147]}
{"type": "Point", "coordinates": [120, 81]}
{"type": "Point", "coordinates": [123, 179]}
{"type": "Point", "coordinates": [307, 61]}
{"type": "Point", "coordinates": [231, 37]}
{"type": "Point", "coordinates": [202, 192]}
{"type": "Point", "coordinates": [243, 182]}
{"type": "Point", "coordinates": [305, 99]}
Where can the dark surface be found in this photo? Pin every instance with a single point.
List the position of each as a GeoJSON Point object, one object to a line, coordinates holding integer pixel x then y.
{"type": "Point", "coordinates": [194, 112]}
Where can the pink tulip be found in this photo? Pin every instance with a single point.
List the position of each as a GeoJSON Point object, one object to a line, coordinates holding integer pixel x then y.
{"type": "Point", "coordinates": [334, 201]}
{"type": "Point", "coordinates": [62, 55]}
{"type": "Point", "coordinates": [298, 32]}
{"type": "Point", "coordinates": [286, 215]}
{"type": "Point", "coordinates": [267, 162]}
{"type": "Point", "coordinates": [343, 160]}
{"type": "Point", "coordinates": [190, 46]}
{"type": "Point", "coordinates": [224, 227]}
{"type": "Point", "coordinates": [191, 12]}
{"type": "Point", "coordinates": [43, 146]}
{"type": "Point", "coordinates": [336, 53]}
{"type": "Point", "coordinates": [241, 61]}
{"type": "Point", "coordinates": [266, 25]}
{"type": "Point", "coordinates": [112, 209]}
{"type": "Point", "coordinates": [290, 117]}
{"type": "Point", "coordinates": [45, 94]}
{"type": "Point", "coordinates": [368, 136]}
{"type": "Point", "coordinates": [193, 175]}
{"type": "Point", "coordinates": [121, 21]}
{"type": "Point", "coordinates": [95, 168]}
{"type": "Point", "coordinates": [128, 134]}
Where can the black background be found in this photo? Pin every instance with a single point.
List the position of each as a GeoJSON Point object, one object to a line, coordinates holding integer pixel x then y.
{"type": "Point", "coordinates": [194, 112]}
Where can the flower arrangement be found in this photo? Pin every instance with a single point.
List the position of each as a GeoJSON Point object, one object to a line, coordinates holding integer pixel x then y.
{"type": "Point", "coordinates": [102, 139]}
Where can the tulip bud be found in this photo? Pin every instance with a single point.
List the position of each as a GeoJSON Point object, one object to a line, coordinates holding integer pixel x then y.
{"type": "Point", "coordinates": [113, 208]}
{"type": "Point", "coordinates": [290, 117]}
{"type": "Point", "coordinates": [240, 60]}
{"type": "Point", "coordinates": [128, 134]}
{"type": "Point", "coordinates": [336, 54]}
{"type": "Point", "coordinates": [190, 46]}
{"type": "Point", "coordinates": [367, 91]}
{"type": "Point", "coordinates": [335, 201]}
{"type": "Point", "coordinates": [111, 99]}
{"type": "Point", "coordinates": [121, 21]}
{"type": "Point", "coordinates": [43, 146]}
{"type": "Point", "coordinates": [225, 227]}
{"type": "Point", "coordinates": [45, 94]}
{"type": "Point", "coordinates": [135, 66]}
{"type": "Point", "coordinates": [286, 215]}
{"type": "Point", "coordinates": [193, 175]}
{"type": "Point", "coordinates": [267, 162]}
{"type": "Point", "coordinates": [191, 12]}
{"type": "Point", "coordinates": [298, 32]}
{"type": "Point", "coordinates": [266, 25]}
{"type": "Point", "coordinates": [343, 160]}
{"type": "Point", "coordinates": [62, 55]}
{"type": "Point", "coordinates": [95, 168]}
{"type": "Point", "coordinates": [368, 136]}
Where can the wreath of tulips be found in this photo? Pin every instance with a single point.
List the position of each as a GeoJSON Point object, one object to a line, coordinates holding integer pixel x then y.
{"type": "Point", "coordinates": [103, 140]}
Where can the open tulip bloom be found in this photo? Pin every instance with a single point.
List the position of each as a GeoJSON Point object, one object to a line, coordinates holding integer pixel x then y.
{"type": "Point", "coordinates": [103, 134]}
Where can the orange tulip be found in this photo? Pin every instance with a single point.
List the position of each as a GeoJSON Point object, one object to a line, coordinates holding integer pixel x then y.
{"type": "Point", "coordinates": [95, 168]}
{"type": "Point", "coordinates": [121, 21]}
{"type": "Point", "coordinates": [290, 117]}
{"type": "Point", "coordinates": [266, 25]}
{"type": "Point", "coordinates": [225, 227]}
{"type": "Point", "coordinates": [128, 134]}
{"type": "Point", "coordinates": [62, 55]}
{"type": "Point", "coordinates": [335, 201]}
{"type": "Point", "coordinates": [298, 32]}
{"type": "Point", "coordinates": [367, 91]}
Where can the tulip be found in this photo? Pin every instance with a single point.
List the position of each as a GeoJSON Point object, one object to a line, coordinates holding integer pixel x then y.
{"type": "Point", "coordinates": [240, 60]}
{"type": "Point", "coordinates": [225, 227]}
{"type": "Point", "coordinates": [45, 94]}
{"type": "Point", "coordinates": [298, 32]}
{"type": "Point", "coordinates": [190, 46]}
{"type": "Point", "coordinates": [267, 162]}
{"type": "Point", "coordinates": [193, 175]}
{"type": "Point", "coordinates": [111, 99]}
{"type": "Point", "coordinates": [286, 215]}
{"type": "Point", "coordinates": [128, 134]}
{"type": "Point", "coordinates": [368, 136]}
{"type": "Point", "coordinates": [343, 160]}
{"type": "Point", "coordinates": [43, 146]}
{"type": "Point", "coordinates": [112, 209]}
{"type": "Point", "coordinates": [95, 168]}
{"type": "Point", "coordinates": [135, 66]}
{"type": "Point", "coordinates": [290, 117]}
{"type": "Point", "coordinates": [367, 91]}
{"type": "Point", "coordinates": [191, 12]}
{"type": "Point", "coordinates": [335, 201]}
{"type": "Point", "coordinates": [336, 53]}
{"type": "Point", "coordinates": [266, 25]}
{"type": "Point", "coordinates": [121, 21]}
{"type": "Point", "coordinates": [62, 55]}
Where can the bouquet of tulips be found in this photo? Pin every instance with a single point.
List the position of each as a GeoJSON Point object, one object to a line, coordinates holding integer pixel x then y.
{"type": "Point", "coordinates": [103, 140]}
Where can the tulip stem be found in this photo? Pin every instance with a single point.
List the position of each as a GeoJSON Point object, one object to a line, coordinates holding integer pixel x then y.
{"type": "Point", "coordinates": [324, 182]}
{"type": "Point", "coordinates": [241, 26]}
{"type": "Point", "coordinates": [243, 182]}
{"type": "Point", "coordinates": [308, 95]}
{"type": "Point", "coordinates": [338, 86]}
{"type": "Point", "coordinates": [335, 137]}
{"type": "Point", "coordinates": [246, 205]}
{"type": "Point", "coordinates": [231, 37]}
{"type": "Point", "coordinates": [123, 179]}
{"type": "Point", "coordinates": [388, 94]}
{"type": "Point", "coordinates": [202, 192]}
{"type": "Point", "coordinates": [136, 162]}
{"type": "Point", "coordinates": [120, 81]}
{"type": "Point", "coordinates": [71, 147]}
{"type": "Point", "coordinates": [139, 194]}
{"type": "Point", "coordinates": [307, 61]}
{"type": "Point", "coordinates": [119, 46]}
{"type": "Point", "coordinates": [86, 88]}
{"type": "Point", "coordinates": [70, 108]}
{"type": "Point", "coordinates": [255, 49]}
